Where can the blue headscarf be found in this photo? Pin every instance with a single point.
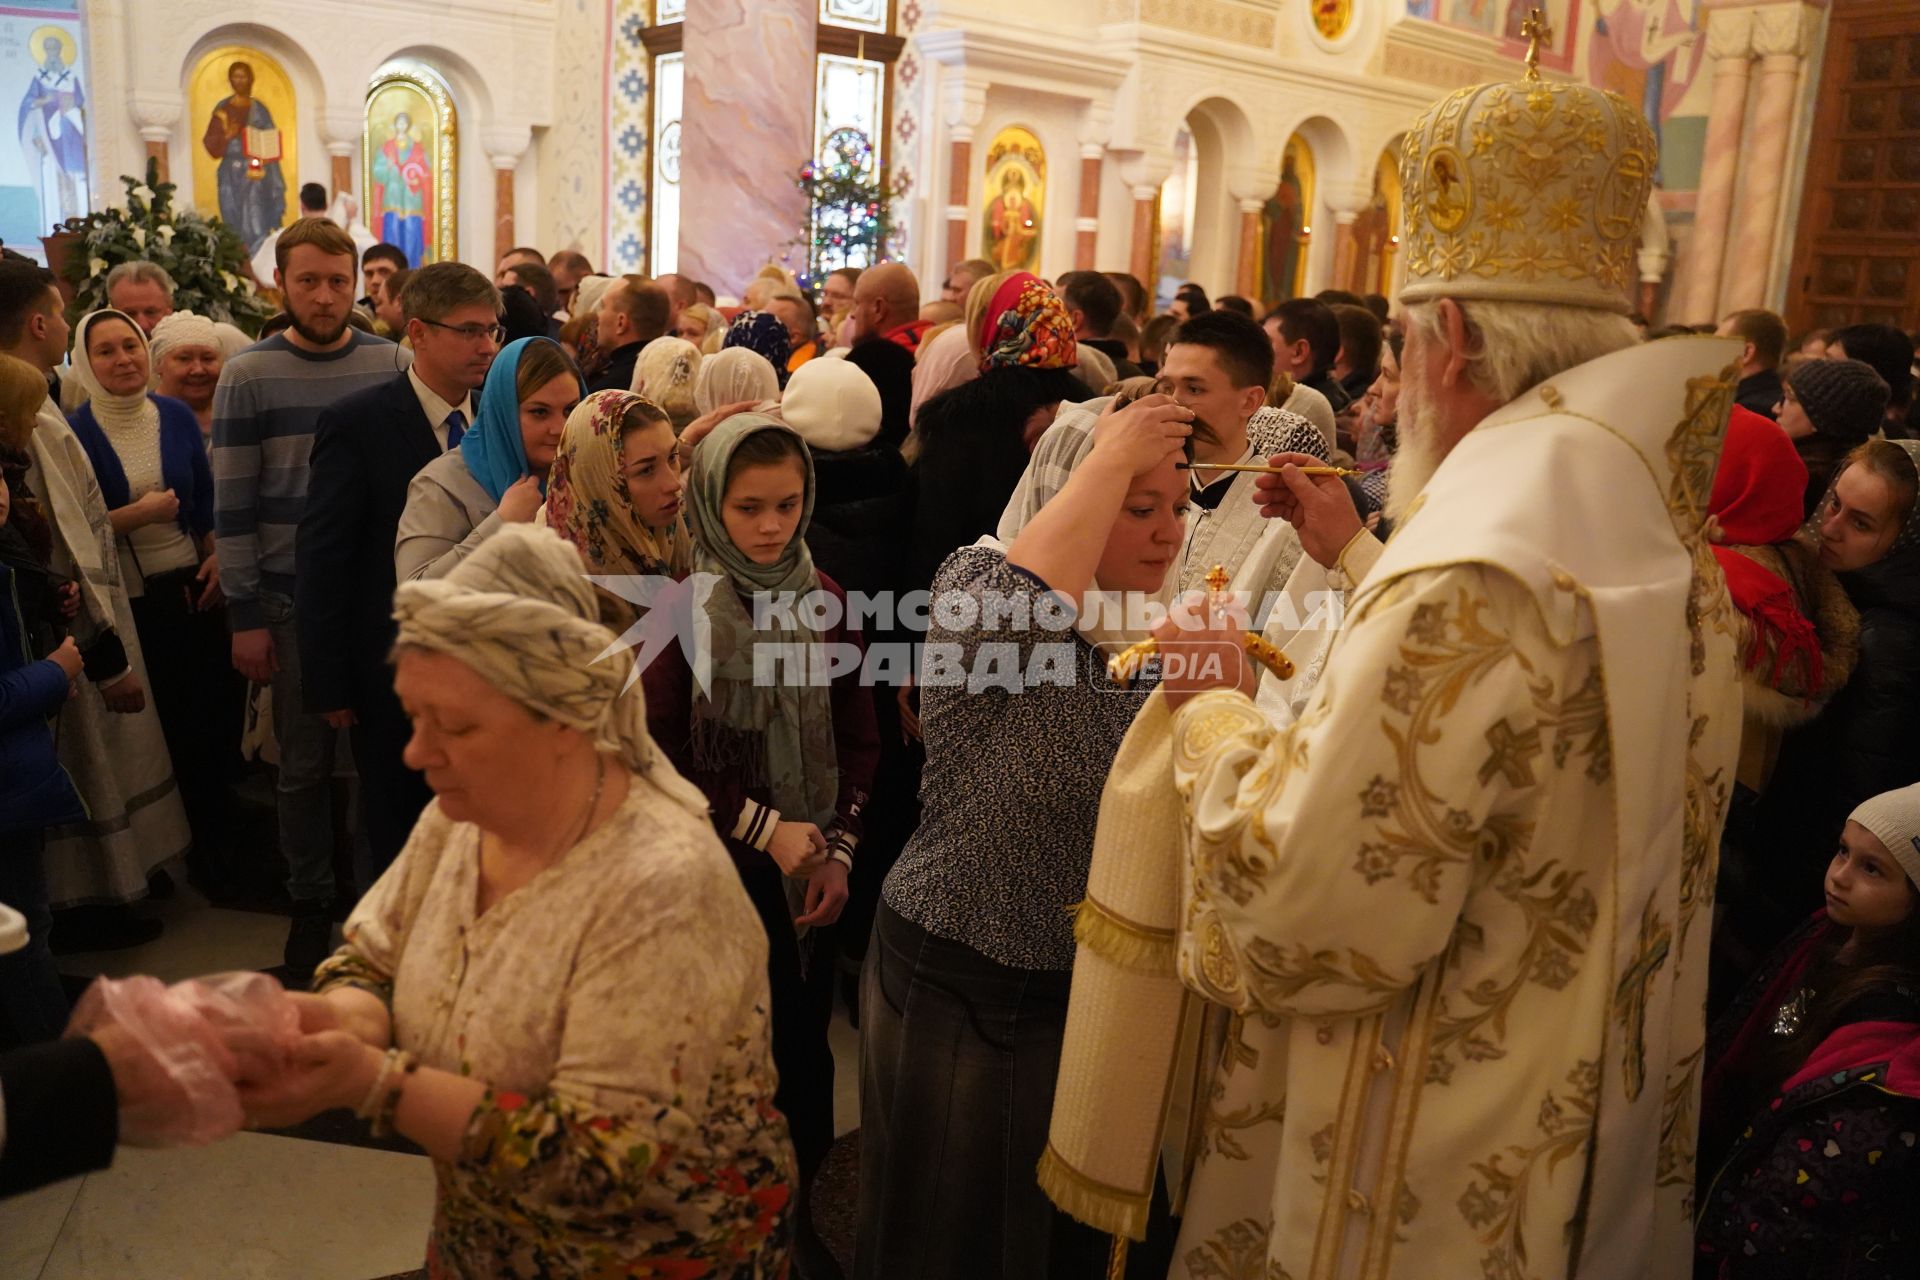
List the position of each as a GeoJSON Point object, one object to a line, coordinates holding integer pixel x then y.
{"type": "Point", "coordinates": [762, 333]}
{"type": "Point", "coordinates": [492, 448]}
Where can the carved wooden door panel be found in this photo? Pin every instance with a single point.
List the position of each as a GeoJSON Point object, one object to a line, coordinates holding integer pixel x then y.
{"type": "Point", "coordinates": [1857, 251]}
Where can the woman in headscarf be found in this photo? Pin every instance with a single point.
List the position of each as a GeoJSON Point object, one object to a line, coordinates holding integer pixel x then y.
{"type": "Point", "coordinates": [498, 474]}
{"type": "Point", "coordinates": [151, 463]}
{"type": "Point", "coordinates": [964, 996]}
{"type": "Point", "coordinates": [736, 374]}
{"type": "Point", "coordinates": [762, 332]}
{"type": "Point", "coordinates": [1866, 530]}
{"type": "Point", "coordinates": [703, 326]}
{"type": "Point", "coordinates": [666, 373]}
{"type": "Point", "coordinates": [581, 333]}
{"type": "Point", "coordinates": [975, 438]}
{"type": "Point", "coordinates": [187, 359]}
{"type": "Point", "coordinates": [615, 490]}
{"type": "Point", "coordinates": [787, 764]}
{"type": "Point", "coordinates": [558, 990]}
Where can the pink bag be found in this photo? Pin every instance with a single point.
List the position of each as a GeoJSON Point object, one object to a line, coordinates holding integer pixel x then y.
{"type": "Point", "coordinates": [195, 1034]}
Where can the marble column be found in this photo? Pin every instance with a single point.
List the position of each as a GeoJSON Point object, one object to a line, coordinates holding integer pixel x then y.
{"type": "Point", "coordinates": [1782, 35]}
{"type": "Point", "coordinates": [1086, 228]}
{"type": "Point", "coordinates": [1244, 282]}
{"type": "Point", "coordinates": [156, 119]}
{"type": "Point", "coordinates": [1345, 202]}
{"type": "Point", "coordinates": [744, 134]}
{"type": "Point", "coordinates": [959, 170]}
{"type": "Point", "coordinates": [340, 129]}
{"type": "Point", "coordinates": [506, 143]}
{"type": "Point", "coordinates": [503, 236]}
{"type": "Point", "coordinates": [1140, 261]}
{"type": "Point", "coordinates": [1730, 47]}
{"type": "Point", "coordinates": [964, 106]}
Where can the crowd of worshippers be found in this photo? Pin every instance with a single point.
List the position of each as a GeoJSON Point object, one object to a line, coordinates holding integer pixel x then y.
{"type": "Point", "coordinates": [350, 557]}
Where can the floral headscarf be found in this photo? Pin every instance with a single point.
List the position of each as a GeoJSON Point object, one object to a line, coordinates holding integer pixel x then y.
{"type": "Point", "coordinates": [587, 501]}
{"type": "Point", "coordinates": [666, 373]}
{"type": "Point", "coordinates": [1027, 326]}
{"type": "Point", "coordinates": [763, 333]}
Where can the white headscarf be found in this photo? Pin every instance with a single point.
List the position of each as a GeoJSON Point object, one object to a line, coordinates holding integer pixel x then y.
{"type": "Point", "coordinates": [1894, 819]}
{"type": "Point", "coordinates": [587, 294]}
{"type": "Point", "coordinates": [521, 613]}
{"type": "Point", "coordinates": [182, 329]}
{"type": "Point", "coordinates": [734, 375]}
{"type": "Point", "coordinates": [114, 413]}
{"type": "Point", "coordinates": [666, 374]}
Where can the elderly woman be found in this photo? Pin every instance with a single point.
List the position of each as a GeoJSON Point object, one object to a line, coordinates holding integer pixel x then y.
{"type": "Point", "coordinates": [559, 989]}
{"type": "Point", "coordinates": [187, 358]}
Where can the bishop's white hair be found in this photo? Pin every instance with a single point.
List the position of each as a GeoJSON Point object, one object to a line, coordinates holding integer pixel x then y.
{"type": "Point", "coordinates": [1514, 346]}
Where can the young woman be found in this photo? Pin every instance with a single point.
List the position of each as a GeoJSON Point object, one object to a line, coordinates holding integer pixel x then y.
{"type": "Point", "coordinates": [498, 474]}
{"type": "Point", "coordinates": [151, 463]}
{"type": "Point", "coordinates": [1809, 1161]}
{"type": "Point", "coordinates": [615, 490]}
{"type": "Point", "coordinates": [964, 997]}
{"type": "Point", "coordinates": [787, 764]}
{"type": "Point", "coordinates": [1863, 742]}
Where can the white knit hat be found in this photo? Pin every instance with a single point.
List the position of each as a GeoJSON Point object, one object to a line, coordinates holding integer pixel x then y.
{"type": "Point", "coordinates": [183, 329]}
{"type": "Point", "coordinates": [833, 404]}
{"type": "Point", "coordinates": [1894, 818]}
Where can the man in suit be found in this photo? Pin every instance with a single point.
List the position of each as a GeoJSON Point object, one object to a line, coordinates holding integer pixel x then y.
{"type": "Point", "coordinates": [365, 450]}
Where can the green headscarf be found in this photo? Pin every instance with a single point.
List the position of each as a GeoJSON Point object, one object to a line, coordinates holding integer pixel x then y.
{"type": "Point", "coordinates": [780, 735]}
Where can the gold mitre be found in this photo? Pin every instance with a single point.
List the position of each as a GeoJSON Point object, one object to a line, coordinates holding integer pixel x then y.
{"type": "Point", "coordinates": [1526, 191]}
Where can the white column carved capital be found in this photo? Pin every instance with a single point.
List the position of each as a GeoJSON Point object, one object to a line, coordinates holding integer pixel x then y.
{"type": "Point", "coordinates": [1347, 199]}
{"type": "Point", "coordinates": [1784, 30]}
{"type": "Point", "coordinates": [155, 115]}
{"type": "Point", "coordinates": [1145, 170]}
{"type": "Point", "coordinates": [1729, 35]}
{"type": "Point", "coordinates": [340, 128]}
{"type": "Point", "coordinates": [1096, 130]}
{"type": "Point", "coordinates": [506, 143]}
{"type": "Point", "coordinates": [1252, 206]}
{"type": "Point", "coordinates": [964, 106]}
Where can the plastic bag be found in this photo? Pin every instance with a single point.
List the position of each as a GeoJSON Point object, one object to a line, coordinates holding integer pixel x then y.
{"type": "Point", "coordinates": [197, 1035]}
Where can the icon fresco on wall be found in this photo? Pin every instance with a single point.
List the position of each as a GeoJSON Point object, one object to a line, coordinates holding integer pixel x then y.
{"type": "Point", "coordinates": [1016, 200]}
{"type": "Point", "coordinates": [1286, 221]}
{"type": "Point", "coordinates": [410, 150]}
{"type": "Point", "coordinates": [43, 178]}
{"type": "Point", "coordinates": [247, 145]}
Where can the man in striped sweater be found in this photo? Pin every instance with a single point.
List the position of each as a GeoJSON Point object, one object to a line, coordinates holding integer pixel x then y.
{"type": "Point", "coordinates": [268, 401]}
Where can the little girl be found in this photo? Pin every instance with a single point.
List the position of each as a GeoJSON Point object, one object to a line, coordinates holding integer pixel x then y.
{"type": "Point", "coordinates": [786, 763]}
{"type": "Point", "coordinates": [1810, 1112]}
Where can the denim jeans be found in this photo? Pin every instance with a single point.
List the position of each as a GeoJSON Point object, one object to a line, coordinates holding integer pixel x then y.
{"type": "Point", "coordinates": [33, 1005]}
{"type": "Point", "coordinates": [958, 1059]}
{"type": "Point", "coordinates": [307, 746]}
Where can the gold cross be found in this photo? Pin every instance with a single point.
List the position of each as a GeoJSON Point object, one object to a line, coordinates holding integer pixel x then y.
{"type": "Point", "coordinates": [1536, 29]}
{"type": "Point", "coordinates": [1217, 579]}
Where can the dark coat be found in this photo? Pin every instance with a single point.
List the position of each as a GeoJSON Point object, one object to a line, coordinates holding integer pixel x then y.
{"type": "Point", "coordinates": [1760, 392]}
{"type": "Point", "coordinates": [1863, 743]}
{"type": "Point", "coordinates": [183, 463]}
{"type": "Point", "coordinates": [617, 373]}
{"type": "Point", "coordinates": [1818, 1180]}
{"type": "Point", "coordinates": [890, 365]}
{"type": "Point", "coordinates": [35, 791]}
{"type": "Point", "coordinates": [862, 518]}
{"type": "Point", "coordinates": [366, 448]}
{"type": "Point", "coordinates": [63, 1115]}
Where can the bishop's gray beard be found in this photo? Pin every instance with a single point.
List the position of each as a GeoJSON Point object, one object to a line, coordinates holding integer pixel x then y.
{"type": "Point", "coordinates": [1417, 457]}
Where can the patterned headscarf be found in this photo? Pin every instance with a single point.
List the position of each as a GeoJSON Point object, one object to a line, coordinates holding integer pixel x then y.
{"type": "Point", "coordinates": [182, 329]}
{"type": "Point", "coordinates": [763, 333]}
{"type": "Point", "coordinates": [492, 447]}
{"type": "Point", "coordinates": [665, 374]}
{"type": "Point", "coordinates": [1026, 326]}
{"type": "Point", "coordinates": [587, 502]}
{"type": "Point", "coordinates": [780, 735]}
{"type": "Point", "coordinates": [521, 614]}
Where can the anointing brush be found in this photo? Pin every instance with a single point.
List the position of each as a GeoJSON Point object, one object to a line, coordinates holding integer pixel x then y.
{"type": "Point", "coordinates": [1261, 469]}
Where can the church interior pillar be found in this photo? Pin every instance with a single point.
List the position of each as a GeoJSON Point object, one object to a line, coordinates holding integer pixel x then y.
{"type": "Point", "coordinates": [1730, 46]}
{"type": "Point", "coordinates": [156, 119]}
{"type": "Point", "coordinates": [1244, 282]}
{"type": "Point", "coordinates": [506, 142]}
{"type": "Point", "coordinates": [340, 128]}
{"type": "Point", "coordinates": [959, 171]}
{"type": "Point", "coordinates": [342, 169]}
{"type": "Point", "coordinates": [1140, 261]}
{"type": "Point", "coordinates": [743, 134]}
{"type": "Point", "coordinates": [1086, 228]}
{"type": "Point", "coordinates": [503, 237]}
{"type": "Point", "coordinates": [1781, 36]}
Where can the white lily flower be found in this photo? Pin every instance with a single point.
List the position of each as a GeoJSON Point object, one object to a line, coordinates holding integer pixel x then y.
{"type": "Point", "coordinates": [231, 281]}
{"type": "Point", "coordinates": [143, 191]}
{"type": "Point", "coordinates": [140, 236]}
{"type": "Point", "coordinates": [166, 233]}
{"type": "Point", "coordinates": [96, 266]}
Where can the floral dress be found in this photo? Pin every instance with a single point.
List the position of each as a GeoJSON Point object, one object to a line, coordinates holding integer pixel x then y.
{"type": "Point", "coordinates": [616, 1005]}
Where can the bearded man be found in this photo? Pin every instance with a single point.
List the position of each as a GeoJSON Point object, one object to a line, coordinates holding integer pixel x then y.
{"type": "Point", "coordinates": [1457, 909]}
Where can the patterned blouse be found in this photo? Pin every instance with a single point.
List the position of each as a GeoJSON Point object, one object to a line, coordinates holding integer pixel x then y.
{"type": "Point", "coordinates": [1011, 791]}
{"type": "Point", "coordinates": [616, 1006]}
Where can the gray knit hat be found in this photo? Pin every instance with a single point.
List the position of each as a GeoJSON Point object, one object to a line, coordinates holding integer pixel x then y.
{"type": "Point", "coordinates": [1845, 399]}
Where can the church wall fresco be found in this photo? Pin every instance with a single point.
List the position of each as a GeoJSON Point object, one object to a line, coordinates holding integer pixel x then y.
{"type": "Point", "coordinates": [246, 158]}
{"type": "Point", "coordinates": [43, 173]}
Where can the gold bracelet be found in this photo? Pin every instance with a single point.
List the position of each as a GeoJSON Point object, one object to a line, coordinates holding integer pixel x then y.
{"type": "Point", "coordinates": [404, 1066]}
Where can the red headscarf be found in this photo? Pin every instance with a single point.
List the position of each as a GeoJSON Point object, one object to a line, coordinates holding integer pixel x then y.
{"type": "Point", "coordinates": [1756, 501]}
{"type": "Point", "coordinates": [1026, 325]}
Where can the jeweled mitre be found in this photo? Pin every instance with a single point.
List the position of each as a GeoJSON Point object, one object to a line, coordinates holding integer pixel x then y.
{"type": "Point", "coordinates": [1526, 191]}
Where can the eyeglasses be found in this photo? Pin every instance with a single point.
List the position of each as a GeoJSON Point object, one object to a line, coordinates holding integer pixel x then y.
{"type": "Point", "coordinates": [471, 332]}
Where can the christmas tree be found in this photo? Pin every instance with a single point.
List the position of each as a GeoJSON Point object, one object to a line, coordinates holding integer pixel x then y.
{"type": "Point", "coordinates": [849, 217]}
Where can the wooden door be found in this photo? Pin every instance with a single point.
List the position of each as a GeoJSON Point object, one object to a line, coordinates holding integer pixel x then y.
{"type": "Point", "coordinates": [1857, 251]}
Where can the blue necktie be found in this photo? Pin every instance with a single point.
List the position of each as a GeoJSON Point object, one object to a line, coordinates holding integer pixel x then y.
{"type": "Point", "coordinates": [456, 425]}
